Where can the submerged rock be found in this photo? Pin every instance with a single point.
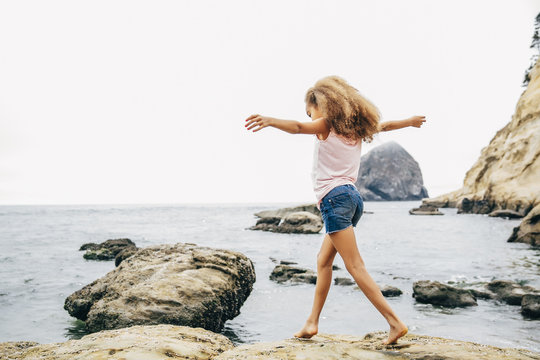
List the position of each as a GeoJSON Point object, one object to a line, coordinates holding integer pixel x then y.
{"type": "Point", "coordinates": [425, 210]}
{"type": "Point", "coordinates": [180, 284]}
{"type": "Point", "coordinates": [390, 291]}
{"type": "Point", "coordinates": [106, 250]}
{"type": "Point", "coordinates": [436, 293]}
{"type": "Point", "coordinates": [389, 173]}
{"type": "Point", "coordinates": [529, 230]}
{"type": "Point", "coordinates": [343, 281]}
{"type": "Point", "coordinates": [530, 306]}
{"type": "Point", "coordinates": [136, 342]}
{"type": "Point", "coordinates": [293, 274]}
{"type": "Point", "coordinates": [301, 222]}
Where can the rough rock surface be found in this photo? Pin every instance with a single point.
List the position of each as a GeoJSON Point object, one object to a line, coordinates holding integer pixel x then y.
{"type": "Point", "coordinates": [389, 173]}
{"type": "Point", "coordinates": [178, 342]}
{"type": "Point", "coordinates": [425, 210]}
{"type": "Point", "coordinates": [136, 342]}
{"type": "Point", "coordinates": [180, 284]}
{"type": "Point", "coordinates": [300, 222]}
{"type": "Point", "coordinates": [507, 174]}
{"type": "Point", "coordinates": [508, 214]}
{"type": "Point", "coordinates": [509, 291]}
{"type": "Point", "coordinates": [369, 347]}
{"type": "Point", "coordinates": [436, 293]}
{"type": "Point", "coordinates": [293, 274]}
{"type": "Point", "coordinates": [528, 230]}
{"type": "Point", "coordinates": [106, 250]}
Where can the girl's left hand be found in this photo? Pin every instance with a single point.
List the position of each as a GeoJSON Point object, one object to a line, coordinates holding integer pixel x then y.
{"type": "Point", "coordinates": [257, 122]}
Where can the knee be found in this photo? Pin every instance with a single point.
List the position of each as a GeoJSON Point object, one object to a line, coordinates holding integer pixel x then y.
{"type": "Point", "coordinates": [355, 266]}
{"type": "Point", "coordinates": [324, 262]}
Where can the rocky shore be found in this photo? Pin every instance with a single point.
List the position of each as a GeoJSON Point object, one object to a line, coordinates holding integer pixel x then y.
{"type": "Point", "coordinates": [180, 342]}
{"type": "Point", "coordinates": [506, 177]}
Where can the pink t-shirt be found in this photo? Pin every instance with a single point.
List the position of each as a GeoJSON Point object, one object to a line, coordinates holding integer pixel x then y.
{"type": "Point", "coordinates": [336, 161]}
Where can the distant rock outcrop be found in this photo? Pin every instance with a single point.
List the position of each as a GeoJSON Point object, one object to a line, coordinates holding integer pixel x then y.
{"type": "Point", "coordinates": [507, 174]}
{"type": "Point", "coordinates": [389, 173]}
{"type": "Point", "coordinates": [302, 219]}
{"type": "Point", "coordinates": [179, 284]}
{"type": "Point", "coordinates": [107, 250]}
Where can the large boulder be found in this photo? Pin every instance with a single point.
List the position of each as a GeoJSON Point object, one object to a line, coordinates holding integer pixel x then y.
{"type": "Point", "coordinates": [507, 174]}
{"type": "Point", "coordinates": [136, 342]}
{"type": "Point", "coordinates": [180, 284]}
{"type": "Point", "coordinates": [436, 293]}
{"type": "Point", "coordinates": [389, 173]}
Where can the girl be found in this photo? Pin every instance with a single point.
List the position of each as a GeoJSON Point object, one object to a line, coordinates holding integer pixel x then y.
{"type": "Point", "coordinates": [341, 120]}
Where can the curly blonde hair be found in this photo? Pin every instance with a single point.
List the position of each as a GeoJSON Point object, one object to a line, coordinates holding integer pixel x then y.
{"type": "Point", "coordinates": [347, 112]}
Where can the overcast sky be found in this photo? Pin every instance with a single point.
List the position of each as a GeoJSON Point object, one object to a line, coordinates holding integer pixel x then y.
{"type": "Point", "coordinates": [145, 101]}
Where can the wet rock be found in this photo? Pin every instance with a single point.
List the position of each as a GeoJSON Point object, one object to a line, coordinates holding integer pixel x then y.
{"type": "Point", "coordinates": [179, 284]}
{"type": "Point", "coordinates": [124, 254]}
{"type": "Point", "coordinates": [302, 222]}
{"type": "Point", "coordinates": [389, 173]}
{"type": "Point", "coordinates": [106, 250]}
{"type": "Point", "coordinates": [390, 291]}
{"type": "Point", "coordinates": [530, 306]}
{"type": "Point", "coordinates": [293, 274]}
{"type": "Point", "coordinates": [343, 281]}
{"type": "Point", "coordinates": [529, 230]}
{"type": "Point", "coordinates": [510, 292]}
{"type": "Point", "coordinates": [335, 267]}
{"type": "Point", "coordinates": [436, 293]}
{"type": "Point", "coordinates": [136, 342]}
{"type": "Point", "coordinates": [425, 210]}
{"type": "Point", "coordinates": [506, 213]}
{"type": "Point", "coordinates": [286, 262]}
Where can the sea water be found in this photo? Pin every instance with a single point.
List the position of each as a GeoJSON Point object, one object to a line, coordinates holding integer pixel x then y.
{"type": "Point", "coordinates": [40, 266]}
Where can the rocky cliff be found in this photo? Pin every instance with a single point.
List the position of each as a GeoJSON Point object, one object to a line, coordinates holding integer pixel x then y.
{"type": "Point", "coordinates": [507, 174]}
{"type": "Point", "coordinates": [389, 173]}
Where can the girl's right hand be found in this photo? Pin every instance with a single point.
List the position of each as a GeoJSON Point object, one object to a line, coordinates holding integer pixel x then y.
{"type": "Point", "coordinates": [257, 122]}
{"type": "Point", "coordinates": [417, 121]}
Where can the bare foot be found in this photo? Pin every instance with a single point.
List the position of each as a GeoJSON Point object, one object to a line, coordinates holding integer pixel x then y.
{"type": "Point", "coordinates": [307, 331]}
{"type": "Point", "coordinates": [395, 333]}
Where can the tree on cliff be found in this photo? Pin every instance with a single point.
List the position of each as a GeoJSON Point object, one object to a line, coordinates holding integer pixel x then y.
{"type": "Point", "coordinates": [535, 44]}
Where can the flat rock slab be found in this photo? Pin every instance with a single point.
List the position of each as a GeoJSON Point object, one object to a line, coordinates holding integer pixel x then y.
{"type": "Point", "coordinates": [345, 347]}
{"type": "Point", "coordinates": [137, 342]}
{"type": "Point", "coordinates": [180, 284]}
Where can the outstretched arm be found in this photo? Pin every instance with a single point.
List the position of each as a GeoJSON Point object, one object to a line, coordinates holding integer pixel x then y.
{"type": "Point", "coordinates": [258, 122]}
{"type": "Point", "coordinates": [415, 121]}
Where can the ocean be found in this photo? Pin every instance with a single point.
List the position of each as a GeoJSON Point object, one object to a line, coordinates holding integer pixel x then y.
{"type": "Point", "coordinates": [40, 266]}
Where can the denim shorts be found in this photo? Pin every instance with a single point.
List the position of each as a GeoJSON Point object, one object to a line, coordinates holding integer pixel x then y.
{"type": "Point", "coordinates": [341, 207]}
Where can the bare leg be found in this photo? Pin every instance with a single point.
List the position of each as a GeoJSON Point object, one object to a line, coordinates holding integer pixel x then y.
{"type": "Point", "coordinates": [325, 258]}
{"type": "Point", "coordinates": [345, 243]}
